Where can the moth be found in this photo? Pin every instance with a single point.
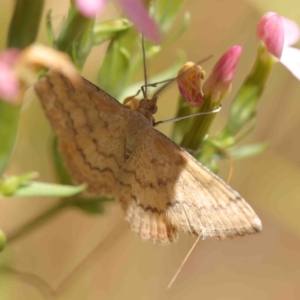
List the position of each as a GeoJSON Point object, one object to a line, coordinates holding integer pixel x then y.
{"type": "Point", "coordinates": [118, 152]}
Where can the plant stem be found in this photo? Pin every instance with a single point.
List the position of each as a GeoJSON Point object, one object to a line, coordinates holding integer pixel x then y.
{"type": "Point", "coordinates": [22, 32]}
{"type": "Point", "coordinates": [199, 127]}
{"type": "Point", "coordinates": [25, 23]}
{"type": "Point", "coordinates": [72, 30]}
{"type": "Point", "coordinates": [243, 107]}
{"type": "Point", "coordinates": [9, 120]}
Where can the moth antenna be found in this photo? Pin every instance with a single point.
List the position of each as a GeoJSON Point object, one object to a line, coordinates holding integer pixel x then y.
{"type": "Point", "coordinates": [183, 263]}
{"type": "Point", "coordinates": [189, 116]}
{"type": "Point", "coordinates": [145, 69]}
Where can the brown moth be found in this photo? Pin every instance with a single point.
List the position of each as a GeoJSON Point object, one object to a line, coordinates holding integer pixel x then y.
{"type": "Point", "coordinates": [117, 152]}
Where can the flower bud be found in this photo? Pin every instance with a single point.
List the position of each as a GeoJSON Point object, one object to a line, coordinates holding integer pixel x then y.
{"type": "Point", "coordinates": [218, 84]}
{"type": "Point", "coordinates": [189, 83]}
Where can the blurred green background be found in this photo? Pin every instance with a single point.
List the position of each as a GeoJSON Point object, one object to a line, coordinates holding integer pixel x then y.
{"type": "Point", "coordinates": [266, 266]}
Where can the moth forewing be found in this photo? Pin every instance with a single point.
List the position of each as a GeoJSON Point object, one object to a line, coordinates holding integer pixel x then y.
{"type": "Point", "coordinates": [116, 151]}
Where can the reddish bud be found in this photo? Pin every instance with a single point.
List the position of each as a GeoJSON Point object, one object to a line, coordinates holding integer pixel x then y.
{"type": "Point", "coordinates": [189, 83]}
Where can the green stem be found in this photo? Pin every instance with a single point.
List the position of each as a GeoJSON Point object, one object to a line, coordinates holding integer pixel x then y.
{"type": "Point", "coordinates": [22, 32]}
{"type": "Point", "coordinates": [2, 240]}
{"type": "Point", "coordinates": [73, 28]}
{"type": "Point", "coordinates": [200, 126]}
{"type": "Point", "coordinates": [243, 107]}
{"type": "Point", "coordinates": [179, 128]}
{"type": "Point", "coordinates": [25, 23]}
{"type": "Point", "coordinates": [9, 120]}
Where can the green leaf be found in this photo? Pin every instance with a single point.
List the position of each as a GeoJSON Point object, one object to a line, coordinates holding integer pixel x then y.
{"type": "Point", "coordinates": [118, 69]}
{"type": "Point", "coordinates": [49, 28]}
{"type": "Point", "coordinates": [184, 24]}
{"type": "Point", "coordinates": [72, 31]}
{"type": "Point", "coordinates": [9, 185]}
{"type": "Point", "coordinates": [83, 46]}
{"type": "Point", "coordinates": [122, 61]}
{"type": "Point", "coordinates": [108, 29]}
{"type": "Point", "coordinates": [2, 240]}
{"type": "Point", "coordinates": [247, 151]}
{"type": "Point", "coordinates": [92, 205]}
{"type": "Point", "coordinates": [49, 190]}
{"type": "Point", "coordinates": [124, 55]}
{"type": "Point", "coordinates": [32, 188]}
{"type": "Point", "coordinates": [25, 23]}
{"type": "Point", "coordinates": [166, 12]}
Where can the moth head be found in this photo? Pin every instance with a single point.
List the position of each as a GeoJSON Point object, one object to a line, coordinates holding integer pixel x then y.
{"type": "Point", "coordinates": [147, 105]}
{"type": "Point", "coordinates": [148, 108]}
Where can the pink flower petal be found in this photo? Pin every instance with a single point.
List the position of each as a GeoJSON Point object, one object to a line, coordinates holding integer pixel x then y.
{"type": "Point", "coordinates": [270, 31]}
{"type": "Point", "coordinates": [90, 8]}
{"type": "Point", "coordinates": [9, 57]}
{"type": "Point", "coordinates": [138, 14]}
{"type": "Point", "coordinates": [291, 31]}
{"type": "Point", "coordinates": [291, 59]}
{"type": "Point", "coordinates": [225, 68]}
{"type": "Point", "coordinates": [9, 84]}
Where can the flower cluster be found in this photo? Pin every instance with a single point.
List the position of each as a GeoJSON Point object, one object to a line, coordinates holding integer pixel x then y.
{"type": "Point", "coordinates": [276, 33]}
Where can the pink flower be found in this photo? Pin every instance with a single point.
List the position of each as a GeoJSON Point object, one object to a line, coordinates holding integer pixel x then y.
{"type": "Point", "coordinates": [18, 69]}
{"type": "Point", "coordinates": [278, 34]}
{"type": "Point", "coordinates": [270, 31]}
{"type": "Point", "coordinates": [135, 10]}
{"type": "Point", "coordinates": [9, 83]}
{"type": "Point", "coordinates": [218, 84]}
{"type": "Point", "coordinates": [90, 8]}
{"type": "Point", "coordinates": [189, 83]}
